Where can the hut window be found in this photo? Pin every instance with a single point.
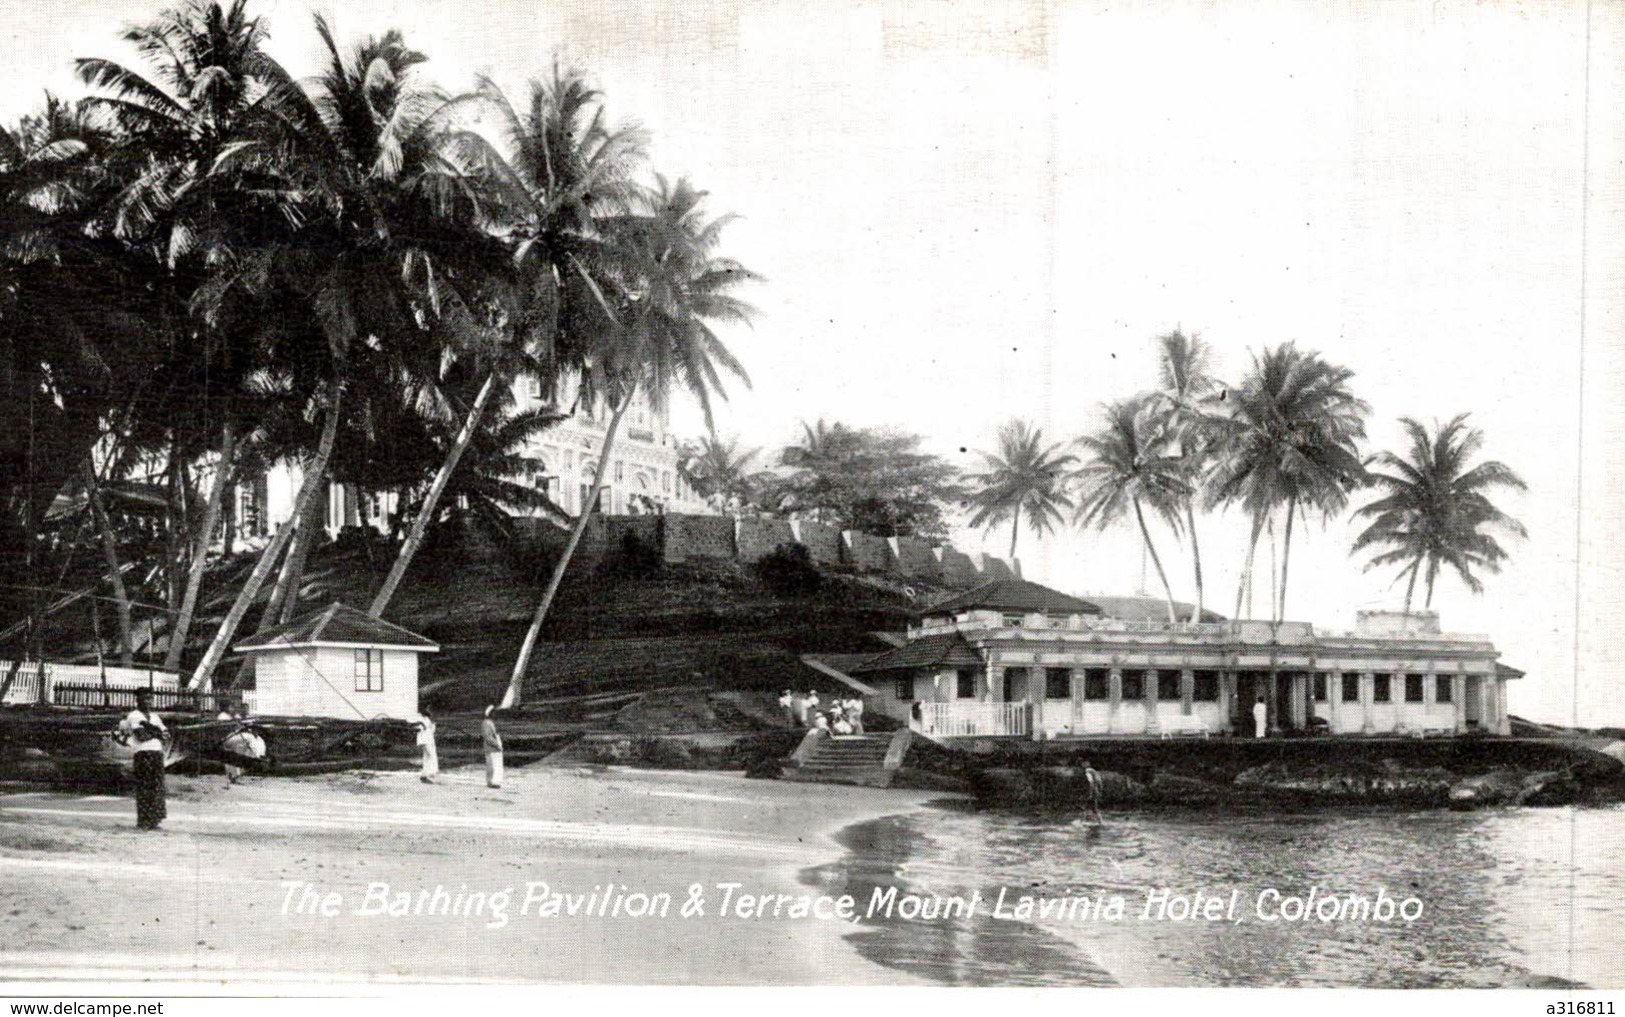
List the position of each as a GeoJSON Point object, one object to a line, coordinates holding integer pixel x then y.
{"type": "Point", "coordinates": [1442, 691]}
{"type": "Point", "coordinates": [905, 686]}
{"type": "Point", "coordinates": [1320, 686]}
{"type": "Point", "coordinates": [1413, 688]}
{"type": "Point", "coordinates": [1206, 689]}
{"type": "Point", "coordinates": [369, 670]}
{"type": "Point", "coordinates": [1351, 688]}
{"type": "Point", "coordinates": [1379, 689]}
{"type": "Point", "coordinates": [965, 683]}
{"type": "Point", "coordinates": [1057, 683]}
{"type": "Point", "coordinates": [1097, 685]}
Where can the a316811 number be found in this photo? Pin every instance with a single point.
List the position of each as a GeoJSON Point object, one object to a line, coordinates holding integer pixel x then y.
{"type": "Point", "coordinates": [1580, 1008]}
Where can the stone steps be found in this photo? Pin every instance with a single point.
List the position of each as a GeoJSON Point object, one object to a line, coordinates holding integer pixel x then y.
{"type": "Point", "coordinates": [844, 759]}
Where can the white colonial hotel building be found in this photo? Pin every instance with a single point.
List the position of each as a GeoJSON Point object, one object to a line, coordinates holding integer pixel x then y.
{"type": "Point", "coordinates": [1012, 658]}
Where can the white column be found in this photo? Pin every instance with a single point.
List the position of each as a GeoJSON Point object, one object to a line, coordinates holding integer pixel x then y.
{"type": "Point", "coordinates": [1368, 681]}
{"type": "Point", "coordinates": [1458, 698]}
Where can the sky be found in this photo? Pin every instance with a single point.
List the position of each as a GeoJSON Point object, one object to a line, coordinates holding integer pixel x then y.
{"type": "Point", "coordinates": [975, 212]}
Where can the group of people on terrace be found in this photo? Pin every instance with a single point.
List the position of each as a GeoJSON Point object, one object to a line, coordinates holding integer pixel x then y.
{"type": "Point", "coordinates": [843, 715]}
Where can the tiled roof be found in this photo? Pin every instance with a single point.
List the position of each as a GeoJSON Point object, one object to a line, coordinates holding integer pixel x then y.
{"type": "Point", "coordinates": [336, 623]}
{"type": "Point", "coordinates": [944, 649]}
{"type": "Point", "coordinates": [1012, 595]}
{"type": "Point", "coordinates": [1507, 671]}
{"type": "Point", "coordinates": [1151, 609]}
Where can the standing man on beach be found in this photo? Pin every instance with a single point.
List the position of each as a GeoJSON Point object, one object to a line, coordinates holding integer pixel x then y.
{"type": "Point", "coordinates": [493, 749]}
{"type": "Point", "coordinates": [145, 730]}
{"type": "Point", "coordinates": [431, 757]}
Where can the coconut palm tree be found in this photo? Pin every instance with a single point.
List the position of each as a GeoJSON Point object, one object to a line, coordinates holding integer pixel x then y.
{"type": "Point", "coordinates": [1288, 440]}
{"type": "Point", "coordinates": [669, 286]}
{"type": "Point", "coordinates": [1129, 466]}
{"type": "Point", "coordinates": [1435, 510]}
{"type": "Point", "coordinates": [1187, 396]}
{"type": "Point", "coordinates": [208, 87]}
{"type": "Point", "coordinates": [564, 169]}
{"type": "Point", "coordinates": [717, 469]}
{"type": "Point", "coordinates": [1024, 475]}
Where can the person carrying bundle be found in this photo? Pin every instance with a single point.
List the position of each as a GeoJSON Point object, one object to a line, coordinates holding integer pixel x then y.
{"type": "Point", "coordinates": [145, 731]}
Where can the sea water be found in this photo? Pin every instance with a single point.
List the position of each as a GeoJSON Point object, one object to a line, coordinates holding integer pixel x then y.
{"type": "Point", "coordinates": [1513, 897]}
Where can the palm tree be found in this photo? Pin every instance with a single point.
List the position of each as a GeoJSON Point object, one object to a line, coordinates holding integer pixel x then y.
{"type": "Point", "coordinates": [716, 469]}
{"type": "Point", "coordinates": [491, 485]}
{"type": "Point", "coordinates": [1187, 395]}
{"type": "Point", "coordinates": [566, 169]}
{"type": "Point", "coordinates": [1435, 510]}
{"type": "Point", "coordinates": [211, 85]}
{"type": "Point", "coordinates": [1023, 475]}
{"type": "Point", "coordinates": [1129, 467]}
{"type": "Point", "coordinates": [1288, 440]}
{"type": "Point", "coordinates": [669, 287]}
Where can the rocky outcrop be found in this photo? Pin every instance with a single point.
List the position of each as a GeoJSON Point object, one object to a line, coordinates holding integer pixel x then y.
{"type": "Point", "coordinates": [1511, 787]}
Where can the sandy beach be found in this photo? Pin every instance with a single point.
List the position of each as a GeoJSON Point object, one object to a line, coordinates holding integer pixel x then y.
{"type": "Point", "coordinates": [285, 879]}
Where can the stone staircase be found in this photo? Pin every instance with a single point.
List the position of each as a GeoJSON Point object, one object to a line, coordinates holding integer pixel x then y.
{"type": "Point", "coordinates": [867, 759]}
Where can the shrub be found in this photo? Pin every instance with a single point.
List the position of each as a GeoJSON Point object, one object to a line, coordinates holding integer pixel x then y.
{"type": "Point", "coordinates": [665, 754]}
{"type": "Point", "coordinates": [635, 558]}
{"type": "Point", "coordinates": [789, 570]}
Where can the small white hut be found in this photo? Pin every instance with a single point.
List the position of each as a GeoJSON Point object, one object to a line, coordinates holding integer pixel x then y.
{"type": "Point", "coordinates": [336, 662]}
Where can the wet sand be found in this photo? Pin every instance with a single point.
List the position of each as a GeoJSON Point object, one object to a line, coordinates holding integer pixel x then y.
{"type": "Point", "coordinates": [219, 893]}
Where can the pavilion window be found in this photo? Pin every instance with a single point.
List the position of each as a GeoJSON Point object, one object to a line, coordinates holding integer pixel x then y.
{"type": "Point", "coordinates": [1380, 692]}
{"type": "Point", "coordinates": [1413, 688]}
{"type": "Point", "coordinates": [1057, 683]}
{"type": "Point", "coordinates": [1096, 685]}
{"type": "Point", "coordinates": [965, 683]}
{"type": "Point", "coordinates": [1013, 621]}
{"type": "Point", "coordinates": [1168, 685]}
{"type": "Point", "coordinates": [369, 670]}
{"type": "Point", "coordinates": [1206, 688]}
{"type": "Point", "coordinates": [905, 686]}
{"type": "Point", "coordinates": [1443, 691]}
{"type": "Point", "coordinates": [1132, 687]}
{"type": "Point", "coordinates": [1351, 688]}
{"type": "Point", "coordinates": [1320, 686]}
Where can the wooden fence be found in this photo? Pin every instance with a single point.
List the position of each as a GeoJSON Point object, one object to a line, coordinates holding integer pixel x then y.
{"type": "Point", "coordinates": [123, 697]}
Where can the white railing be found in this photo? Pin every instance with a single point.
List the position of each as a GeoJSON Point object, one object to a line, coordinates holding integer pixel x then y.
{"type": "Point", "coordinates": [26, 687]}
{"type": "Point", "coordinates": [962, 719]}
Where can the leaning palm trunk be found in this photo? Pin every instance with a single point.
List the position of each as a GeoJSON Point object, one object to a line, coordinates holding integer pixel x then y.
{"type": "Point", "coordinates": [1286, 554]}
{"type": "Point", "coordinates": [420, 525]}
{"type": "Point", "coordinates": [121, 597]}
{"type": "Point", "coordinates": [1145, 533]}
{"type": "Point", "coordinates": [307, 490]}
{"type": "Point", "coordinates": [284, 576]}
{"type": "Point", "coordinates": [1246, 580]}
{"type": "Point", "coordinates": [516, 683]}
{"type": "Point", "coordinates": [306, 537]}
{"type": "Point", "coordinates": [200, 552]}
{"type": "Point", "coordinates": [1196, 560]}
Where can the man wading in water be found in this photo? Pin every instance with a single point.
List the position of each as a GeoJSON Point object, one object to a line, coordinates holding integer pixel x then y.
{"type": "Point", "coordinates": [145, 730]}
{"type": "Point", "coordinates": [1093, 780]}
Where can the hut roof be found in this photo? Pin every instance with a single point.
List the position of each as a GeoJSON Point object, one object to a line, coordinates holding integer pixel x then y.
{"type": "Point", "coordinates": [337, 625]}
